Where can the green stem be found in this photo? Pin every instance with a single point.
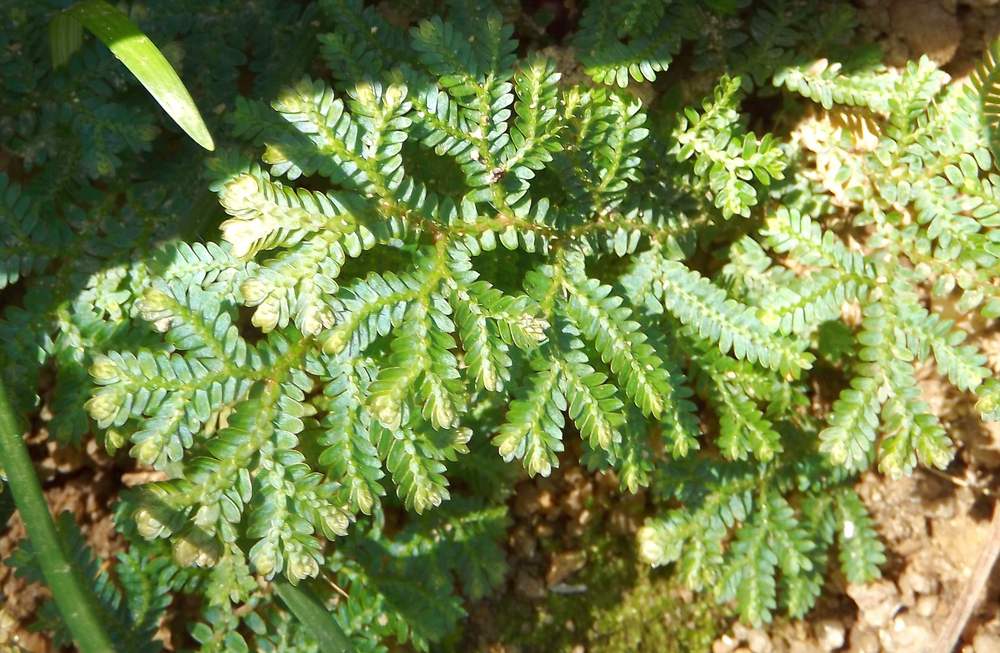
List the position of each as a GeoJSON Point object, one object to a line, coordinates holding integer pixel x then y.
{"type": "Point", "coordinates": [76, 604]}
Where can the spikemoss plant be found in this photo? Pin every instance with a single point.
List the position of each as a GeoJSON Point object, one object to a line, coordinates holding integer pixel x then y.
{"type": "Point", "coordinates": [438, 255]}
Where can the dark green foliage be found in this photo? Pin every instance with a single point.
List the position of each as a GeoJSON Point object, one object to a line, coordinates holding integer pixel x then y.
{"type": "Point", "coordinates": [81, 190]}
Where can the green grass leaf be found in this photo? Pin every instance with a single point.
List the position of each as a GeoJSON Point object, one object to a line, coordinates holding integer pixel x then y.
{"type": "Point", "coordinates": [65, 38]}
{"type": "Point", "coordinates": [137, 52]}
{"type": "Point", "coordinates": [314, 616]}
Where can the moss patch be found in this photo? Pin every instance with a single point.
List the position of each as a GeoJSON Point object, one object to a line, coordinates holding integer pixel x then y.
{"type": "Point", "coordinates": [614, 604]}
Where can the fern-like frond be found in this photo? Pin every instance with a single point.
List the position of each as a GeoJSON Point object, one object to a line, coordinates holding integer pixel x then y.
{"type": "Point", "coordinates": [822, 82]}
{"type": "Point", "coordinates": [725, 157]}
{"type": "Point", "coordinates": [533, 428]}
{"type": "Point", "coordinates": [601, 318]}
{"type": "Point", "coordinates": [631, 40]}
{"type": "Point", "coordinates": [21, 252]}
{"type": "Point", "coordinates": [696, 302]}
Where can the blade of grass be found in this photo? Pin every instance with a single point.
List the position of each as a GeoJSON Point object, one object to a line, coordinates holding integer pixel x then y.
{"type": "Point", "coordinates": [145, 61]}
{"type": "Point", "coordinates": [65, 38]}
{"type": "Point", "coordinates": [314, 616]}
{"type": "Point", "coordinates": [73, 598]}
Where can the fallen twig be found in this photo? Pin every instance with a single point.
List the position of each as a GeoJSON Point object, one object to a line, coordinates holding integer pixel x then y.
{"type": "Point", "coordinates": [962, 610]}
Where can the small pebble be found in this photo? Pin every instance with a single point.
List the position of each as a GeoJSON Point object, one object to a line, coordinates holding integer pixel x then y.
{"type": "Point", "coordinates": [864, 640]}
{"type": "Point", "coordinates": [759, 642]}
{"type": "Point", "coordinates": [914, 581]}
{"type": "Point", "coordinates": [830, 633]}
{"type": "Point", "coordinates": [909, 633]}
{"type": "Point", "coordinates": [927, 605]}
{"type": "Point", "coordinates": [986, 643]}
{"type": "Point", "coordinates": [724, 644]}
{"type": "Point", "coordinates": [877, 602]}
